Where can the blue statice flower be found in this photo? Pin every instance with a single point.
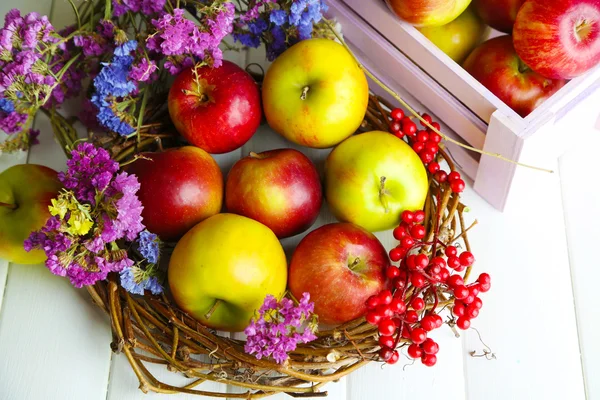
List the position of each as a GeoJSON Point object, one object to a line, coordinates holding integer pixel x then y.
{"type": "Point", "coordinates": [7, 105]}
{"type": "Point", "coordinates": [149, 246]}
{"type": "Point", "coordinates": [278, 17]}
{"type": "Point", "coordinates": [247, 39]}
{"type": "Point", "coordinates": [135, 280]}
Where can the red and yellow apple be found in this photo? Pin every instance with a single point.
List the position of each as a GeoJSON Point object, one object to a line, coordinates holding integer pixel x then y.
{"type": "Point", "coordinates": [428, 12]}
{"type": "Point", "coordinates": [458, 38]}
{"type": "Point", "coordinates": [222, 270]}
{"type": "Point", "coordinates": [216, 109]}
{"type": "Point", "coordinates": [25, 194]}
{"type": "Point", "coordinates": [558, 39]}
{"type": "Point", "coordinates": [371, 178]}
{"type": "Point", "coordinates": [498, 67]}
{"type": "Point", "coordinates": [315, 94]}
{"type": "Point", "coordinates": [279, 188]}
{"type": "Point", "coordinates": [178, 188]}
{"type": "Point", "coordinates": [341, 265]}
{"type": "Point", "coordinates": [499, 14]}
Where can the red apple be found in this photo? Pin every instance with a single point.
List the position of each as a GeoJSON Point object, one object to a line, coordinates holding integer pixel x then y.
{"type": "Point", "coordinates": [178, 189]}
{"type": "Point", "coordinates": [216, 109]}
{"type": "Point", "coordinates": [496, 65]}
{"type": "Point", "coordinates": [558, 38]}
{"type": "Point", "coordinates": [279, 188]}
{"type": "Point", "coordinates": [341, 265]}
{"type": "Point", "coordinates": [499, 14]}
{"type": "Point", "coordinates": [428, 12]}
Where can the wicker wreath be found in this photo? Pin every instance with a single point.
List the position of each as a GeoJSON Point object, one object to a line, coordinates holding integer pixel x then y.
{"type": "Point", "coordinates": [152, 329]}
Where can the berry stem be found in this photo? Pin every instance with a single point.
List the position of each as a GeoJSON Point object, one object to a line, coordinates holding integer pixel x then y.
{"type": "Point", "coordinates": [423, 121]}
{"type": "Point", "coordinates": [213, 308]}
{"type": "Point", "coordinates": [9, 206]}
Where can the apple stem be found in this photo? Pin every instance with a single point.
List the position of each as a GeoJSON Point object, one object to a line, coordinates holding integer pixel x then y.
{"type": "Point", "coordinates": [213, 308]}
{"type": "Point", "coordinates": [10, 206]}
{"type": "Point", "coordinates": [304, 94]}
{"type": "Point", "coordinates": [354, 263]}
{"type": "Point", "coordinates": [382, 194]}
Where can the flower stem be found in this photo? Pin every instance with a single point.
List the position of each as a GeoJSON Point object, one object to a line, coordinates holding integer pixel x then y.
{"type": "Point", "coordinates": [213, 308]}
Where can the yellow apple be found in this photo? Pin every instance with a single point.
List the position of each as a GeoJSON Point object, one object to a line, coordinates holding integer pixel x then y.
{"type": "Point", "coordinates": [371, 178]}
{"type": "Point", "coordinates": [315, 94]}
{"type": "Point", "coordinates": [222, 270]}
{"type": "Point", "coordinates": [458, 38]}
{"type": "Point", "coordinates": [428, 12]}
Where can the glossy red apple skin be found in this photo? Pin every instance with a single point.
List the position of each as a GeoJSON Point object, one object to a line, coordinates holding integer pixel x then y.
{"type": "Point", "coordinates": [279, 188]}
{"type": "Point", "coordinates": [219, 111]}
{"type": "Point", "coordinates": [558, 38]}
{"type": "Point", "coordinates": [178, 188]}
{"type": "Point", "coordinates": [496, 65]}
{"type": "Point", "coordinates": [321, 266]}
{"type": "Point", "coordinates": [499, 14]}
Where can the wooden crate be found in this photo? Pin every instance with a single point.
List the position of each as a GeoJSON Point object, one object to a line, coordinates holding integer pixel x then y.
{"type": "Point", "coordinates": [427, 78]}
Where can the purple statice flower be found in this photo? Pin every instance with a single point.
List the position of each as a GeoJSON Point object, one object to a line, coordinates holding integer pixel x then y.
{"type": "Point", "coordinates": [143, 71]}
{"type": "Point", "coordinates": [254, 11]}
{"type": "Point", "coordinates": [147, 7]}
{"type": "Point", "coordinates": [12, 121]}
{"type": "Point", "coordinates": [149, 246]}
{"type": "Point", "coordinates": [177, 64]}
{"type": "Point", "coordinates": [128, 221]}
{"type": "Point", "coordinates": [279, 328]}
{"type": "Point", "coordinates": [178, 36]}
{"type": "Point", "coordinates": [92, 45]}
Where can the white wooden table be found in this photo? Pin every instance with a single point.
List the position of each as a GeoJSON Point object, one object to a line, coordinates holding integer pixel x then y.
{"type": "Point", "coordinates": [539, 318]}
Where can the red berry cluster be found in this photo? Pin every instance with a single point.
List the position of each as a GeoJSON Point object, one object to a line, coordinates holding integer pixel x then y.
{"type": "Point", "coordinates": [426, 143]}
{"type": "Point", "coordinates": [408, 315]}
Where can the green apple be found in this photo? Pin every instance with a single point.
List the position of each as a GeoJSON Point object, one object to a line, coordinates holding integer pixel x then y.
{"type": "Point", "coordinates": [458, 38]}
{"type": "Point", "coordinates": [371, 178]}
{"type": "Point", "coordinates": [25, 194]}
{"type": "Point", "coordinates": [222, 270]}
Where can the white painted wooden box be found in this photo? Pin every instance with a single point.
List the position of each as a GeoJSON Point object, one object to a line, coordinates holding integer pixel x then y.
{"type": "Point", "coordinates": [422, 74]}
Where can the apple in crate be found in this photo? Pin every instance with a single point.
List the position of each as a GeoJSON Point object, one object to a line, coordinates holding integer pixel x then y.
{"type": "Point", "coordinates": [315, 94]}
{"type": "Point", "coordinates": [558, 38]}
{"type": "Point", "coordinates": [371, 178]}
{"type": "Point", "coordinates": [222, 270]}
{"type": "Point", "coordinates": [279, 188]}
{"type": "Point", "coordinates": [499, 14]}
{"type": "Point", "coordinates": [216, 109]}
{"type": "Point", "coordinates": [25, 194]}
{"type": "Point", "coordinates": [498, 67]}
{"type": "Point", "coordinates": [341, 265]}
{"type": "Point", "coordinates": [458, 38]}
{"type": "Point", "coordinates": [428, 12]}
{"type": "Point", "coordinates": [178, 188]}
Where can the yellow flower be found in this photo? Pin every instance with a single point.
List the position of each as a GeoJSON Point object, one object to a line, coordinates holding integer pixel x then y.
{"type": "Point", "coordinates": [80, 221]}
{"type": "Point", "coordinates": [59, 207]}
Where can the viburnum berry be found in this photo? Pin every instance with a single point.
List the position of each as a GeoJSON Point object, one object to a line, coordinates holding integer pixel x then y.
{"type": "Point", "coordinates": [429, 346]}
{"type": "Point", "coordinates": [418, 147]}
{"type": "Point", "coordinates": [440, 176]}
{"type": "Point", "coordinates": [438, 261]}
{"type": "Point", "coordinates": [463, 323]}
{"type": "Point", "coordinates": [398, 306]}
{"type": "Point", "coordinates": [451, 251]}
{"type": "Point", "coordinates": [392, 272]}
{"type": "Point", "coordinates": [429, 360]}
{"type": "Point", "coordinates": [399, 232]}
{"type": "Point", "coordinates": [484, 287]}
{"type": "Point", "coordinates": [436, 126]}
{"type": "Point", "coordinates": [397, 114]}
{"type": "Point", "coordinates": [453, 176]}
{"type": "Point", "coordinates": [484, 278]}
{"type": "Point", "coordinates": [385, 353]}
{"type": "Point", "coordinates": [433, 167]}
{"type": "Point", "coordinates": [418, 231]}
{"type": "Point", "coordinates": [385, 297]}
{"type": "Point", "coordinates": [399, 283]}
{"type": "Point", "coordinates": [421, 261]}
{"type": "Point", "coordinates": [394, 358]}
{"type": "Point", "coordinates": [407, 242]}
{"type": "Point", "coordinates": [458, 186]}
{"type": "Point", "coordinates": [408, 127]}
{"type": "Point", "coordinates": [444, 274]}
{"type": "Point", "coordinates": [471, 311]}
{"type": "Point", "coordinates": [427, 118]}
{"type": "Point", "coordinates": [418, 335]}
{"type": "Point", "coordinates": [422, 136]}
{"type": "Point", "coordinates": [411, 316]}
{"type": "Point", "coordinates": [477, 303]}
{"type": "Point", "coordinates": [417, 303]}
{"type": "Point", "coordinates": [415, 351]}
{"type": "Point", "coordinates": [373, 317]}
{"type": "Point", "coordinates": [396, 127]}
{"type": "Point", "coordinates": [434, 137]}
{"type": "Point", "coordinates": [474, 289]}
{"type": "Point", "coordinates": [384, 310]}
{"type": "Point", "coordinates": [455, 280]}
{"type": "Point", "coordinates": [469, 299]}
{"type": "Point", "coordinates": [418, 280]}
{"type": "Point", "coordinates": [372, 302]}
{"type": "Point", "coordinates": [466, 258]}
{"type": "Point", "coordinates": [459, 309]}
{"type": "Point", "coordinates": [387, 341]}
{"type": "Point", "coordinates": [396, 254]}
{"type": "Point", "coordinates": [408, 216]}
{"type": "Point", "coordinates": [387, 327]}
{"type": "Point", "coordinates": [426, 156]}
{"type": "Point", "coordinates": [431, 147]}
{"type": "Point", "coordinates": [419, 216]}
{"type": "Point", "coordinates": [453, 262]}
{"type": "Point", "coordinates": [438, 320]}
{"type": "Point", "coordinates": [461, 292]}
{"type": "Point", "coordinates": [428, 323]}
